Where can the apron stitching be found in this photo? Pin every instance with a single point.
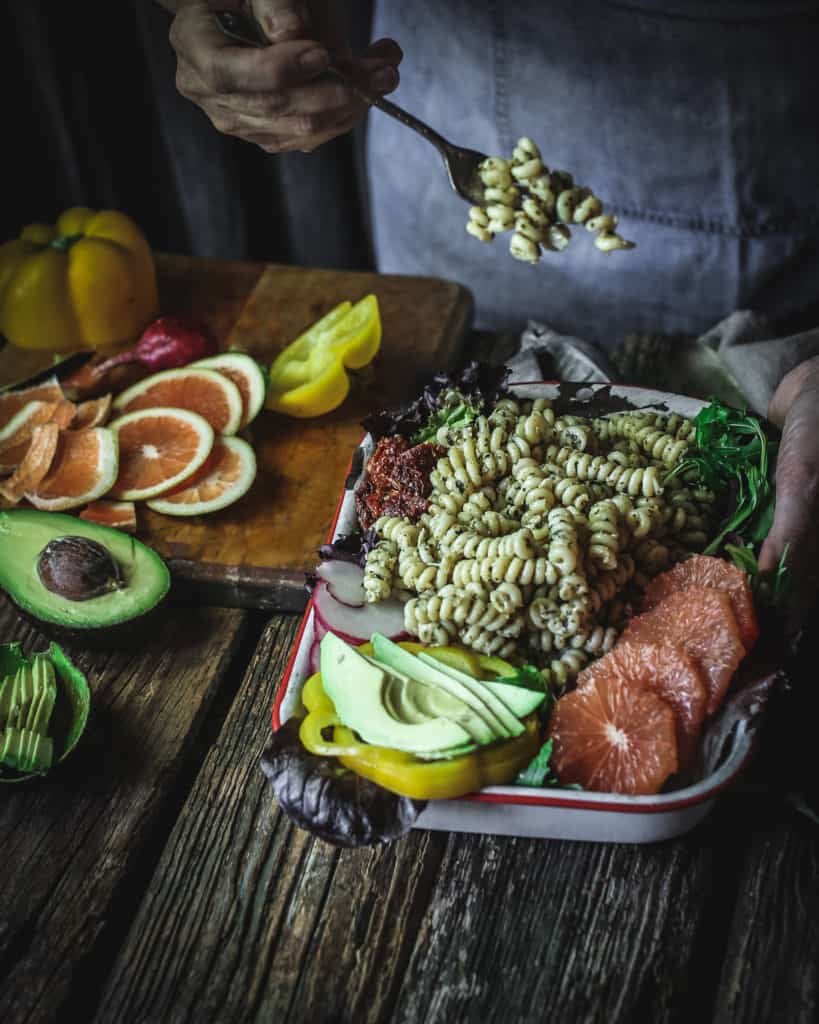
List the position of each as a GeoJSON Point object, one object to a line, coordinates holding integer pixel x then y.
{"type": "Point", "coordinates": [499, 42]}
{"type": "Point", "coordinates": [717, 227]}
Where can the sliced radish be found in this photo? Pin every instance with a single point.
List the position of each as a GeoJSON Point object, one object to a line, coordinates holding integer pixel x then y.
{"type": "Point", "coordinates": [345, 580]}
{"type": "Point", "coordinates": [315, 656]}
{"type": "Point", "coordinates": [356, 625]}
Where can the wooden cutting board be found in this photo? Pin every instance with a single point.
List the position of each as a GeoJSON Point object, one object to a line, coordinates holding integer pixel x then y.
{"type": "Point", "coordinates": [254, 554]}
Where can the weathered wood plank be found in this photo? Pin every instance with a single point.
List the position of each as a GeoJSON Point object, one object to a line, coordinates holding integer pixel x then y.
{"type": "Point", "coordinates": [771, 966]}
{"type": "Point", "coordinates": [247, 918]}
{"type": "Point", "coordinates": [771, 962]}
{"type": "Point", "coordinates": [74, 843]}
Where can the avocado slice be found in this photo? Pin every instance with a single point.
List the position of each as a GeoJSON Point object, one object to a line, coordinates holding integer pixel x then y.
{"type": "Point", "coordinates": [26, 751]}
{"type": "Point", "coordinates": [509, 718]}
{"type": "Point", "coordinates": [395, 657]}
{"type": "Point", "coordinates": [409, 700]}
{"type": "Point", "coordinates": [356, 687]}
{"type": "Point", "coordinates": [123, 578]}
{"type": "Point", "coordinates": [518, 699]}
{"type": "Point", "coordinates": [44, 685]}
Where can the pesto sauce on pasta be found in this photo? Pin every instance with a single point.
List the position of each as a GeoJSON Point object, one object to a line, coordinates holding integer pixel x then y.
{"type": "Point", "coordinates": [538, 206]}
{"type": "Point", "coordinates": [540, 530]}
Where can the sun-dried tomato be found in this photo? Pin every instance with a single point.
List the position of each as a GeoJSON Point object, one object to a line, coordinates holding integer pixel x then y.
{"type": "Point", "coordinates": [397, 480]}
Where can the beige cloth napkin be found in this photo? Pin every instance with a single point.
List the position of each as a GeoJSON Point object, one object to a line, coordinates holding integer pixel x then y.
{"type": "Point", "coordinates": [739, 360]}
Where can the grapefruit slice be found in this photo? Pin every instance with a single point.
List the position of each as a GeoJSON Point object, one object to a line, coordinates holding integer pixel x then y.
{"type": "Point", "coordinates": [246, 374]}
{"type": "Point", "coordinates": [205, 392]}
{"type": "Point", "coordinates": [120, 515]}
{"type": "Point", "coordinates": [83, 469]}
{"type": "Point", "coordinates": [36, 462]}
{"type": "Point", "coordinates": [707, 571]}
{"type": "Point", "coordinates": [158, 449]}
{"type": "Point", "coordinates": [611, 738]}
{"type": "Point", "coordinates": [224, 477]}
{"type": "Point", "coordinates": [701, 621]}
{"type": "Point", "coordinates": [92, 413]}
{"type": "Point", "coordinates": [11, 402]}
{"type": "Point", "coordinates": [14, 448]}
{"type": "Point", "coordinates": [666, 671]}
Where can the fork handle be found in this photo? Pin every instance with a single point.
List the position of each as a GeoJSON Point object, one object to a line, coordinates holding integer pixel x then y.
{"type": "Point", "coordinates": [242, 27]}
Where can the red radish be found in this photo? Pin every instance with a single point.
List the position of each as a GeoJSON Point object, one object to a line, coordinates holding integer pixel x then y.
{"type": "Point", "coordinates": [345, 580]}
{"type": "Point", "coordinates": [314, 659]}
{"type": "Point", "coordinates": [356, 625]}
{"type": "Point", "coordinates": [166, 344]}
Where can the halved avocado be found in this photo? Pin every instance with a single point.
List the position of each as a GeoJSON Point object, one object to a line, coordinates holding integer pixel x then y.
{"type": "Point", "coordinates": [78, 579]}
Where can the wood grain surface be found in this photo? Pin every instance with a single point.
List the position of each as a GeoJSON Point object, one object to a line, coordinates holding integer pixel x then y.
{"type": "Point", "coordinates": [249, 919]}
{"type": "Point", "coordinates": [74, 843]}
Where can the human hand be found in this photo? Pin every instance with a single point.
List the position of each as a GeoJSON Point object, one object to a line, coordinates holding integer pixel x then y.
{"type": "Point", "coordinates": [274, 96]}
{"type": "Point", "coordinates": [795, 408]}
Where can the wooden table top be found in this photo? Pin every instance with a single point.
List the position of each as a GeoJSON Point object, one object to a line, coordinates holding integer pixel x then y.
{"type": "Point", "coordinates": [152, 878]}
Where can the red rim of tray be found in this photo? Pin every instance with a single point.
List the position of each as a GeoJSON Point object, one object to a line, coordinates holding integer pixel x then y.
{"type": "Point", "coordinates": [659, 804]}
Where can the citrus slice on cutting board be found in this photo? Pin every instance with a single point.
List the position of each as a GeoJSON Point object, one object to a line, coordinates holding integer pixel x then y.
{"type": "Point", "coordinates": [11, 402]}
{"type": "Point", "coordinates": [666, 671]}
{"type": "Point", "coordinates": [119, 515]}
{"type": "Point", "coordinates": [158, 449]}
{"type": "Point", "coordinates": [246, 374]}
{"type": "Point", "coordinates": [701, 621]}
{"type": "Point", "coordinates": [225, 476]}
{"type": "Point", "coordinates": [42, 447]}
{"type": "Point", "coordinates": [205, 392]}
{"type": "Point", "coordinates": [92, 413]}
{"type": "Point", "coordinates": [611, 738]}
{"type": "Point", "coordinates": [84, 468]}
{"type": "Point", "coordinates": [707, 571]}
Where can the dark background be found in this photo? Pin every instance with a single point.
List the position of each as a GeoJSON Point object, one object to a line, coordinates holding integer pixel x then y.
{"type": "Point", "coordinates": [91, 117]}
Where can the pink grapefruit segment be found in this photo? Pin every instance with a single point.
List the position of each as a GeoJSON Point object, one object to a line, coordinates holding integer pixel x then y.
{"type": "Point", "coordinates": [707, 571]}
{"type": "Point", "coordinates": [159, 449]}
{"type": "Point", "coordinates": [666, 671]}
{"type": "Point", "coordinates": [224, 477]}
{"type": "Point", "coordinates": [611, 738]}
{"type": "Point", "coordinates": [701, 621]}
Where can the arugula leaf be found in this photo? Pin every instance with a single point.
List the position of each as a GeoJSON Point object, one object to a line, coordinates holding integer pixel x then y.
{"type": "Point", "coordinates": [538, 772]}
{"type": "Point", "coordinates": [732, 451]}
{"type": "Point", "coordinates": [528, 677]}
{"type": "Point", "coordinates": [772, 587]}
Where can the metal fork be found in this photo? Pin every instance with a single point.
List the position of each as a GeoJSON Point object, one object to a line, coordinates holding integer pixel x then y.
{"type": "Point", "coordinates": [461, 164]}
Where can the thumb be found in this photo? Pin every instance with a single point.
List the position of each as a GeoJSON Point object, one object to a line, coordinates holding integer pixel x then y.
{"type": "Point", "coordinates": [281, 19]}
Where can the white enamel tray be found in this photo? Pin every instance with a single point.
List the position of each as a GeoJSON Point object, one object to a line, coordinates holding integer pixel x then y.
{"type": "Point", "coordinates": [549, 813]}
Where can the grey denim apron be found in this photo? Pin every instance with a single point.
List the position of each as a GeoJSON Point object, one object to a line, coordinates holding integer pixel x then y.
{"type": "Point", "coordinates": [695, 121]}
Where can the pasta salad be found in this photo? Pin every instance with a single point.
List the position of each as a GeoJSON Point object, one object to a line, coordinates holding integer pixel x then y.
{"type": "Point", "coordinates": [538, 531]}
{"type": "Point", "coordinates": [538, 206]}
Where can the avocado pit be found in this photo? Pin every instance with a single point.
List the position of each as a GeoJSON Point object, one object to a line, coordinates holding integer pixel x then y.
{"type": "Point", "coordinates": [78, 568]}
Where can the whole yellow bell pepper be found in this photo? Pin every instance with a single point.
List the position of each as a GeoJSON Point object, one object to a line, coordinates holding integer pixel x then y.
{"type": "Point", "coordinates": [404, 773]}
{"type": "Point", "coordinates": [309, 377]}
{"type": "Point", "coordinates": [87, 282]}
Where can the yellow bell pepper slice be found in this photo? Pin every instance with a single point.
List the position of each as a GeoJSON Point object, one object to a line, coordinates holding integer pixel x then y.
{"type": "Point", "coordinates": [405, 773]}
{"type": "Point", "coordinates": [309, 377]}
{"type": "Point", "coordinates": [87, 282]}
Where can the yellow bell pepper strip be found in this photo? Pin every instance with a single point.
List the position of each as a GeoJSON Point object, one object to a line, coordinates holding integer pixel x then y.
{"type": "Point", "coordinates": [403, 773]}
{"type": "Point", "coordinates": [87, 282]}
{"type": "Point", "coordinates": [309, 377]}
